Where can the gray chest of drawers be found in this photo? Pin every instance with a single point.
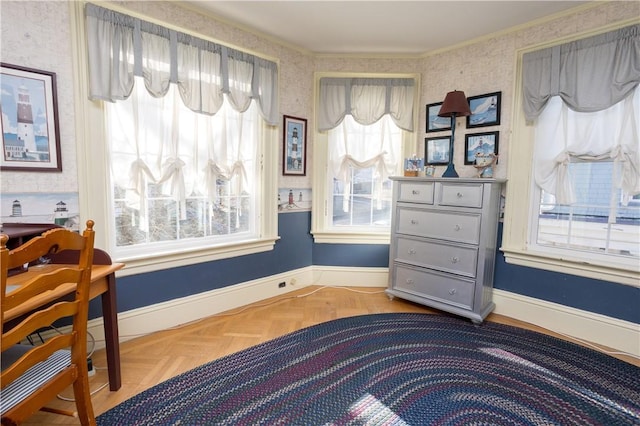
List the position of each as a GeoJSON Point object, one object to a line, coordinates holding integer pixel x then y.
{"type": "Point", "coordinates": [443, 243]}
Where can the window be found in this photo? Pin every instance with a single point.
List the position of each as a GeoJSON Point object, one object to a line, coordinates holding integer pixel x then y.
{"type": "Point", "coordinates": [573, 173]}
{"type": "Point", "coordinates": [179, 178]}
{"type": "Point", "coordinates": [182, 170]}
{"type": "Point", "coordinates": [601, 223]}
{"type": "Point", "coordinates": [365, 133]}
{"type": "Point", "coordinates": [361, 196]}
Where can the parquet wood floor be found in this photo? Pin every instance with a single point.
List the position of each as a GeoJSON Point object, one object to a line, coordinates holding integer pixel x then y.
{"type": "Point", "coordinates": [149, 360]}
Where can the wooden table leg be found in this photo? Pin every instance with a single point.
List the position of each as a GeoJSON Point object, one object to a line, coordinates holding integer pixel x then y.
{"type": "Point", "coordinates": [112, 342]}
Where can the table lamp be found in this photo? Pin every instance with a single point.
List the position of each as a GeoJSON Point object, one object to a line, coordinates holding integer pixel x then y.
{"type": "Point", "coordinates": [455, 104]}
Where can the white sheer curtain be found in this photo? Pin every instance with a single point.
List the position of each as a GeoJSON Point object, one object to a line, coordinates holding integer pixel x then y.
{"type": "Point", "coordinates": [186, 107]}
{"type": "Point", "coordinates": [160, 141]}
{"type": "Point", "coordinates": [355, 146]}
{"type": "Point", "coordinates": [562, 134]}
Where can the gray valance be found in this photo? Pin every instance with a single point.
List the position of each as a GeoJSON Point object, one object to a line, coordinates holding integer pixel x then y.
{"type": "Point", "coordinates": [590, 74]}
{"type": "Point", "coordinates": [121, 47]}
{"type": "Point", "coordinates": [367, 100]}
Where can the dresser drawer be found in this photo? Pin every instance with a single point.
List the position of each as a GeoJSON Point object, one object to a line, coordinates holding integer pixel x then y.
{"type": "Point", "coordinates": [443, 257]}
{"type": "Point", "coordinates": [451, 226]}
{"type": "Point", "coordinates": [461, 195]}
{"type": "Point", "coordinates": [440, 287]}
{"type": "Point", "coordinates": [415, 192]}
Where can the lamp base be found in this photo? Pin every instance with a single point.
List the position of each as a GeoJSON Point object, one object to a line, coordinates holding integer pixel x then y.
{"type": "Point", "coordinates": [451, 171]}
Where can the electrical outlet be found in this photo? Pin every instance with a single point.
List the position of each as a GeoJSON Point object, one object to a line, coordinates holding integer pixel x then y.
{"type": "Point", "coordinates": [292, 281]}
{"type": "Point", "coordinates": [283, 284]}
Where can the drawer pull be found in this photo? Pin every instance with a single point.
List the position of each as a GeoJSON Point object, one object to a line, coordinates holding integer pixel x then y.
{"type": "Point", "coordinates": [452, 291]}
{"type": "Point", "coordinates": [411, 251]}
{"type": "Point", "coordinates": [415, 192]}
{"type": "Point", "coordinates": [409, 281]}
{"type": "Point", "coordinates": [459, 195]}
{"type": "Point", "coordinates": [454, 259]}
{"type": "Point", "coordinates": [457, 227]}
{"type": "Point", "coordinates": [414, 222]}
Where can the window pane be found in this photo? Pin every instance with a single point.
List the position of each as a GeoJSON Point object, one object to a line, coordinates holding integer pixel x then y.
{"type": "Point", "coordinates": [599, 221]}
{"type": "Point", "coordinates": [368, 152]}
{"type": "Point", "coordinates": [363, 207]}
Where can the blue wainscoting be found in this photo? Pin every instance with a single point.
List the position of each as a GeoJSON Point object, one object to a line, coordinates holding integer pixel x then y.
{"type": "Point", "coordinates": [292, 251]}
{"type": "Point", "coordinates": [356, 255]}
{"type": "Point", "coordinates": [296, 250]}
{"type": "Point", "coordinates": [601, 297]}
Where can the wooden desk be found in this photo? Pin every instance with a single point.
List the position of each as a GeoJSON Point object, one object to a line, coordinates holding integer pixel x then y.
{"type": "Point", "coordinates": [103, 283]}
{"type": "Point", "coordinates": [20, 233]}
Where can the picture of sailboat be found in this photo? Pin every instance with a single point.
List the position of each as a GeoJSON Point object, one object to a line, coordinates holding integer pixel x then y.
{"type": "Point", "coordinates": [436, 123]}
{"type": "Point", "coordinates": [485, 110]}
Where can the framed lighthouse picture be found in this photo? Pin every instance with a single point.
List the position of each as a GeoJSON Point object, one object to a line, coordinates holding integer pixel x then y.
{"type": "Point", "coordinates": [294, 160]}
{"type": "Point", "coordinates": [30, 130]}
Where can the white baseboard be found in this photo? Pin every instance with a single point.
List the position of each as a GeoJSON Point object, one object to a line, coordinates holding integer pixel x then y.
{"type": "Point", "coordinates": [176, 312]}
{"type": "Point", "coordinates": [349, 276]}
{"type": "Point", "coordinates": [595, 328]}
{"type": "Point", "coordinates": [599, 329]}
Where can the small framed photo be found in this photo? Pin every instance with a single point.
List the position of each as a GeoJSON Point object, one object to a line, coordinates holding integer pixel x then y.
{"type": "Point", "coordinates": [435, 123]}
{"type": "Point", "coordinates": [436, 150]}
{"type": "Point", "coordinates": [294, 150]}
{"type": "Point", "coordinates": [30, 129]}
{"type": "Point", "coordinates": [480, 144]}
{"type": "Point", "coordinates": [485, 110]}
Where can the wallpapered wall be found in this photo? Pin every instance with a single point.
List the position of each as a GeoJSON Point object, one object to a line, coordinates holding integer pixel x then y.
{"type": "Point", "coordinates": [37, 35]}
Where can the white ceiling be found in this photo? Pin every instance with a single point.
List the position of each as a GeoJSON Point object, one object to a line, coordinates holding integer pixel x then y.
{"type": "Point", "coordinates": [379, 27]}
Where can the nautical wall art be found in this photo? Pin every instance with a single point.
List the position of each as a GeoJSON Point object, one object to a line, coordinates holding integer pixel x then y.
{"type": "Point", "coordinates": [294, 146]}
{"type": "Point", "coordinates": [30, 131]}
{"type": "Point", "coordinates": [61, 208]}
{"type": "Point", "coordinates": [434, 122]}
{"type": "Point", "coordinates": [485, 110]}
{"type": "Point", "coordinates": [294, 199]}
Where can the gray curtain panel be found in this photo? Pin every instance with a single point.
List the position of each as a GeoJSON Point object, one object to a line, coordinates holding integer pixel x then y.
{"type": "Point", "coordinates": [121, 47]}
{"type": "Point", "coordinates": [589, 75]}
{"type": "Point", "coordinates": [367, 100]}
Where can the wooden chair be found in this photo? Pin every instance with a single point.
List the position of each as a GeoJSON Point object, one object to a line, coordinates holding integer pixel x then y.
{"type": "Point", "coordinates": [33, 375]}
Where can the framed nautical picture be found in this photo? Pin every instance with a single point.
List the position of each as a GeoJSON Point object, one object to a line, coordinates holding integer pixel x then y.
{"type": "Point", "coordinates": [435, 123]}
{"type": "Point", "coordinates": [485, 110]}
{"type": "Point", "coordinates": [295, 146]}
{"type": "Point", "coordinates": [480, 145]}
{"type": "Point", "coordinates": [436, 150]}
{"type": "Point", "coordinates": [30, 130]}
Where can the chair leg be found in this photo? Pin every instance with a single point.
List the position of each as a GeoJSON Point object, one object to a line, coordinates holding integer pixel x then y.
{"type": "Point", "coordinates": [82, 396]}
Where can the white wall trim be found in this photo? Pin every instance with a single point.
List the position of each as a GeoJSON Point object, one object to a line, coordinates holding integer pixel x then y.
{"type": "Point", "coordinates": [176, 312]}
{"type": "Point", "coordinates": [598, 329]}
{"type": "Point", "coordinates": [340, 276]}
{"type": "Point", "coordinates": [583, 325]}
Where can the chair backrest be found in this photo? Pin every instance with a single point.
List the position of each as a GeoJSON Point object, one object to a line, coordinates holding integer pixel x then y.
{"type": "Point", "coordinates": [75, 278]}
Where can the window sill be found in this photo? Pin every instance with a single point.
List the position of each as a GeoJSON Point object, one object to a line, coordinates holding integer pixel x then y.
{"type": "Point", "coordinates": [158, 262]}
{"type": "Point", "coordinates": [322, 237]}
{"type": "Point", "coordinates": [621, 274]}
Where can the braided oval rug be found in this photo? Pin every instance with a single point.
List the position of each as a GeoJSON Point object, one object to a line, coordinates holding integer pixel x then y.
{"type": "Point", "coordinates": [397, 369]}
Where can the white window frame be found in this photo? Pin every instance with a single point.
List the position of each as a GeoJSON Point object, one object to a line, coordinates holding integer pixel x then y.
{"type": "Point", "coordinates": [520, 198]}
{"type": "Point", "coordinates": [322, 227]}
{"type": "Point", "coordinates": [94, 182]}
